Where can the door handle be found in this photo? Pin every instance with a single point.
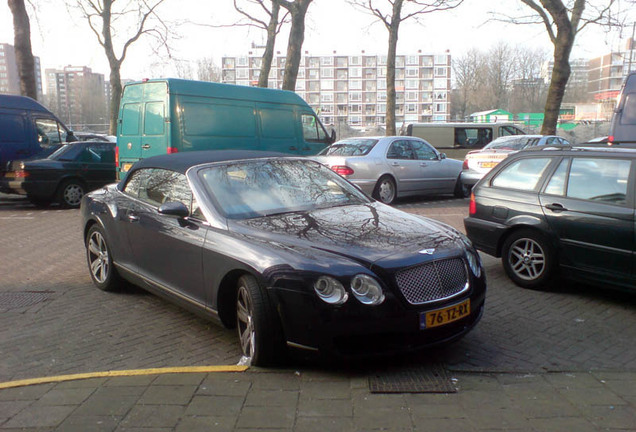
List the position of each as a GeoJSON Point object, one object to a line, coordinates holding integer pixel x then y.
{"type": "Point", "coordinates": [423, 164]}
{"type": "Point", "coordinates": [555, 207]}
{"type": "Point", "coordinates": [133, 218]}
{"type": "Point", "coordinates": [293, 148]}
{"type": "Point", "coordinates": [306, 148]}
{"type": "Point", "coordinates": [395, 163]}
{"type": "Point", "coordinates": [145, 146]}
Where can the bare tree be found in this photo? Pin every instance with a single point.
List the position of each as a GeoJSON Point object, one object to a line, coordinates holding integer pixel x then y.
{"type": "Point", "coordinates": [563, 20]}
{"type": "Point", "coordinates": [272, 26]}
{"type": "Point", "coordinates": [22, 46]}
{"type": "Point", "coordinates": [207, 70]}
{"type": "Point", "coordinates": [298, 10]}
{"type": "Point", "coordinates": [107, 23]}
{"type": "Point", "coordinates": [392, 13]}
{"type": "Point", "coordinates": [468, 72]}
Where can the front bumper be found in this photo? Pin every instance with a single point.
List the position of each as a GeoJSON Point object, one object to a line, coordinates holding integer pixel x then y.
{"type": "Point", "coordinates": [356, 330]}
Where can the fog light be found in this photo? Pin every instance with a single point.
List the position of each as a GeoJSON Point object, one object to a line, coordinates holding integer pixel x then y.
{"type": "Point", "coordinates": [367, 290]}
{"type": "Point", "coordinates": [330, 290]}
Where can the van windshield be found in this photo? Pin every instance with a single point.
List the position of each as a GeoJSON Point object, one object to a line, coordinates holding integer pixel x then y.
{"type": "Point", "coordinates": [350, 147]}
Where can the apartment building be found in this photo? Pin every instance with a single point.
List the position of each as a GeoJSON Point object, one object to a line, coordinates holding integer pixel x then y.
{"type": "Point", "coordinates": [352, 88]}
{"type": "Point", "coordinates": [607, 72]}
{"type": "Point", "coordinates": [9, 77]}
{"type": "Point", "coordinates": [76, 95]}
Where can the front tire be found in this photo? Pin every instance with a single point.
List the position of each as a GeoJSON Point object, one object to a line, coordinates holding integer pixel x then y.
{"type": "Point", "coordinates": [258, 329]}
{"type": "Point", "coordinates": [100, 260]}
{"type": "Point", "coordinates": [385, 190]}
{"type": "Point", "coordinates": [70, 193]}
{"type": "Point", "coordinates": [529, 259]}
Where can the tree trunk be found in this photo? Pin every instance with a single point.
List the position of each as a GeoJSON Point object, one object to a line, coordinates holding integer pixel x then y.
{"type": "Point", "coordinates": [560, 77]}
{"type": "Point", "coordinates": [298, 10]}
{"type": "Point", "coordinates": [268, 55]}
{"type": "Point", "coordinates": [23, 52]}
{"type": "Point", "coordinates": [390, 68]}
{"type": "Point", "coordinates": [115, 65]}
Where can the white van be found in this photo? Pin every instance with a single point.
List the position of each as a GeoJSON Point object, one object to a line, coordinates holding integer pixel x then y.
{"type": "Point", "coordinates": [623, 126]}
{"type": "Point", "coordinates": [462, 135]}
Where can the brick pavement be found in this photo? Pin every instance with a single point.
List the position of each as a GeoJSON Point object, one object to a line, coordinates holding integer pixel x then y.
{"type": "Point", "coordinates": [525, 367]}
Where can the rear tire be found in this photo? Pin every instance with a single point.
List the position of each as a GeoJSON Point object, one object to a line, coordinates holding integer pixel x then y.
{"type": "Point", "coordinates": [528, 259]}
{"type": "Point", "coordinates": [385, 190]}
{"type": "Point", "coordinates": [259, 331]}
{"type": "Point", "coordinates": [70, 193]}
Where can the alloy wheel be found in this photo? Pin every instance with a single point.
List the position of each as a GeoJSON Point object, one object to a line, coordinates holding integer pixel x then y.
{"type": "Point", "coordinates": [527, 259]}
{"type": "Point", "coordinates": [386, 191]}
{"type": "Point", "coordinates": [73, 194]}
{"type": "Point", "coordinates": [98, 257]}
{"type": "Point", "coordinates": [245, 322]}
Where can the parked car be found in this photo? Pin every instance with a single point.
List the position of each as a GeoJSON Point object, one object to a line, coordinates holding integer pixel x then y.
{"type": "Point", "coordinates": [286, 251]}
{"type": "Point", "coordinates": [63, 177]}
{"type": "Point", "coordinates": [548, 211]}
{"type": "Point", "coordinates": [478, 162]}
{"type": "Point", "coordinates": [394, 166]}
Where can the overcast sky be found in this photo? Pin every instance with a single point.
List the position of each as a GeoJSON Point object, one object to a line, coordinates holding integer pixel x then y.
{"type": "Point", "coordinates": [60, 37]}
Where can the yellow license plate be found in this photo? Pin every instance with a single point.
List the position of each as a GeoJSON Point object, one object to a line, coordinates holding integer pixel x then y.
{"type": "Point", "coordinates": [126, 167]}
{"type": "Point", "coordinates": [488, 164]}
{"type": "Point", "coordinates": [444, 316]}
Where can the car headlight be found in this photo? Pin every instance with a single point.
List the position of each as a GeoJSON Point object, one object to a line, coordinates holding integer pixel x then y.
{"type": "Point", "coordinates": [330, 290]}
{"type": "Point", "coordinates": [367, 290]}
{"type": "Point", "coordinates": [474, 262]}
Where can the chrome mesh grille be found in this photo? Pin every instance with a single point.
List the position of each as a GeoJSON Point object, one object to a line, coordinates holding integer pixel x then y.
{"type": "Point", "coordinates": [432, 281]}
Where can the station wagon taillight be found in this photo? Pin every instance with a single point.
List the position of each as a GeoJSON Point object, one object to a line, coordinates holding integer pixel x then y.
{"type": "Point", "coordinates": [472, 206]}
{"type": "Point", "coordinates": [173, 150]}
{"type": "Point", "coordinates": [343, 170]}
{"type": "Point", "coordinates": [116, 156]}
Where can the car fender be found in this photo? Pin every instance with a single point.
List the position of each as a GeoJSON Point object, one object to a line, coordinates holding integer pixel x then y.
{"type": "Point", "coordinates": [523, 221]}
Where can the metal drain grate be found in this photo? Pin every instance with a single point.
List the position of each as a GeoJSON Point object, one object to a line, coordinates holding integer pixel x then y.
{"type": "Point", "coordinates": [22, 299]}
{"type": "Point", "coordinates": [424, 379]}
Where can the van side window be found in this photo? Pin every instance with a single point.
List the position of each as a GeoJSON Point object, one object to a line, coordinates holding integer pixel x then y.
{"type": "Point", "coordinates": [276, 123]}
{"type": "Point", "coordinates": [201, 119]}
{"type": "Point", "coordinates": [509, 130]}
{"type": "Point", "coordinates": [130, 119]}
{"type": "Point", "coordinates": [153, 118]}
{"type": "Point", "coordinates": [629, 110]}
{"type": "Point", "coordinates": [312, 129]}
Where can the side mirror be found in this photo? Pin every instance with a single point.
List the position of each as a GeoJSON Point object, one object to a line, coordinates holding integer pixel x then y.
{"type": "Point", "coordinates": [174, 208]}
{"type": "Point", "coordinates": [442, 156]}
{"type": "Point", "coordinates": [332, 138]}
{"type": "Point", "coordinates": [70, 137]}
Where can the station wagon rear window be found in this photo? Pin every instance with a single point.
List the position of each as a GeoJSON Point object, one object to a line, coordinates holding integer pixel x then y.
{"type": "Point", "coordinates": [523, 174]}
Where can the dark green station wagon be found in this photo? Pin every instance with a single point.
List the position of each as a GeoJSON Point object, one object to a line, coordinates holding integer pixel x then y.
{"type": "Point", "coordinates": [559, 211]}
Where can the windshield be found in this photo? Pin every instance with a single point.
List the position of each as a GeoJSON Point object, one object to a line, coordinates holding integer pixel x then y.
{"type": "Point", "coordinates": [511, 143]}
{"type": "Point", "coordinates": [256, 188]}
{"type": "Point", "coordinates": [67, 152]}
{"type": "Point", "coordinates": [352, 147]}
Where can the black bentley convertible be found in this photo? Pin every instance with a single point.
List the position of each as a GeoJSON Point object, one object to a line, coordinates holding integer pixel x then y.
{"type": "Point", "coordinates": [287, 251]}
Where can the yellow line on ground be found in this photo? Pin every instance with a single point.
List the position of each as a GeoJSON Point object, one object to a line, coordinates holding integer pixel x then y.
{"type": "Point", "coordinates": [122, 373]}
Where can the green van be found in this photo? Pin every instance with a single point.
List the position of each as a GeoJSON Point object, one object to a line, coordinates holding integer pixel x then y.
{"type": "Point", "coordinates": [162, 116]}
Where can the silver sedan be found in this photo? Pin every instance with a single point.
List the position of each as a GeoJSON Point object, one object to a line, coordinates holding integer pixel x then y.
{"type": "Point", "coordinates": [394, 166]}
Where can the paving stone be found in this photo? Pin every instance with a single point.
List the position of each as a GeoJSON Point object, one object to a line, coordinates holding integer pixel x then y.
{"type": "Point", "coordinates": [272, 398]}
{"type": "Point", "coordinates": [168, 395]}
{"type": "Point", "coordinates": [612, 416]}
{"type": "Point", "coordinates": [331, 424]}
{"type": "Point", "coordinates": [206, 424]}
{"type": "Point", "coordinates": [215, 406]}
{"type": "Point", "coordinates": [153, 416]}
{"type": "Point", "coordinates": [267, 417]}
{"type": "Point", "coordinates": [75, 423]}
{"type": "Point", "coordinates": [74, 396]}
{"type": "Point", "coordinates": [193, 379]}
{"type": "Point", "coordinates": [40, 417]}
{"type": "Point", "coordinates": [325, 408]}
{"type": "Point", "coordinates": [563, 424]}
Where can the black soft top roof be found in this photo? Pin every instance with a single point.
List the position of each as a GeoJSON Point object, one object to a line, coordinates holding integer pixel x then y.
{"type": "Point", "coordinates": [181, 162]}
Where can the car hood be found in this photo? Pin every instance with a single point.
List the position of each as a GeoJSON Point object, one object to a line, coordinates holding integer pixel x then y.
{"type": "Point", "coordinates": [368, 234]}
